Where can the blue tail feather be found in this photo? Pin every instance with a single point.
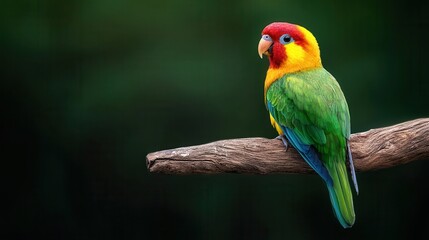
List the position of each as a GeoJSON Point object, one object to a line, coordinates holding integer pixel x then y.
{"type": "Point", "coordinates": [336, 207]}
{"type": "Point", "coordinates": [352, 167]}
{"type": "Point", "coordinates": [309, 154]}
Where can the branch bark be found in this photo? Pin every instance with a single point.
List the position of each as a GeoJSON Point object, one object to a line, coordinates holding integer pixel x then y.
{"type": "Point", "coordinates": [375, 149]}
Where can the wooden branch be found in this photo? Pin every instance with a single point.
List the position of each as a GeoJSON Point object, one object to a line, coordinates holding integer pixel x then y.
{"type": "Point", "coordinates": [375, 149]}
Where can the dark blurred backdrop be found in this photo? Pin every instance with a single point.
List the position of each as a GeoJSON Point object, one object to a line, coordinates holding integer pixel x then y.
{"type": "Point", "coordinates": [90, 87]}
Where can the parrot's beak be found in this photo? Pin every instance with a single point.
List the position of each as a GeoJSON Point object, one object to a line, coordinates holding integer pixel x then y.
{"type": "Point", "coordinates": [264, 47]}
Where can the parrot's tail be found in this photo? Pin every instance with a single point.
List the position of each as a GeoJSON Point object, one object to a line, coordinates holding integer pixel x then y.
{"type": "Point", "coordinates": [341, 195]}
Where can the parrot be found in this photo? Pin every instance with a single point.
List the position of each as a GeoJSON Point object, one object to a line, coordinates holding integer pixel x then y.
{"type": "Point", "coordinates": [309, 110]}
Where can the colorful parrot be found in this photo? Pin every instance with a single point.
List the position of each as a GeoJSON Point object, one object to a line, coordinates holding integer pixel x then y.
{"type": "Point", "coordinates": [309, 110]}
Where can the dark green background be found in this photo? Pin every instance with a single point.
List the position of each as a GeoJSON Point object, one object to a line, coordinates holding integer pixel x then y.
{"type": "Point", "coordinates": [91, 87]}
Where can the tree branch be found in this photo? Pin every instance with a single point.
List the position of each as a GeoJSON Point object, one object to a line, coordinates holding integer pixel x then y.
{"type": "Point", "coordinates": [375, 149]}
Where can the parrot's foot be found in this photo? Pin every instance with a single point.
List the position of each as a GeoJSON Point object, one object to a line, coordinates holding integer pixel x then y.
{"type": "Point", "coordinates": [283, 138]}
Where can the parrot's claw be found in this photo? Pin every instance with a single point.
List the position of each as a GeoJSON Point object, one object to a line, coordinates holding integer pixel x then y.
{"type": "Point", "coordinates": [283, 138]}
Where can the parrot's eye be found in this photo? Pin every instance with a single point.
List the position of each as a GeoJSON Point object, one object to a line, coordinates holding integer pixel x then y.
{"type": "Point", "coordinates": [267, 37]}
{"type": "Point", "coordinates": [285, 39]}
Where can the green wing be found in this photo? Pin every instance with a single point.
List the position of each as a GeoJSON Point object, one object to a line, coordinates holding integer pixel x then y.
{"type": "Point", "coordinates": [311, 104]}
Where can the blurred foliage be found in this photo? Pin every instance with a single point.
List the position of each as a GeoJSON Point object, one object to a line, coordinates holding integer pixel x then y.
{"type": "Point", "coordinates": [91, 87]}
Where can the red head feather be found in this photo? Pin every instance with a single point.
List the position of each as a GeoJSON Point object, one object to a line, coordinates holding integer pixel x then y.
{"type": "Point", "coordinates": [275, 31]}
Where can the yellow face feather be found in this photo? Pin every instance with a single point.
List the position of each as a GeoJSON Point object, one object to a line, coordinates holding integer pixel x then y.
{"type": "Point", "coordinates": [300, 57]}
